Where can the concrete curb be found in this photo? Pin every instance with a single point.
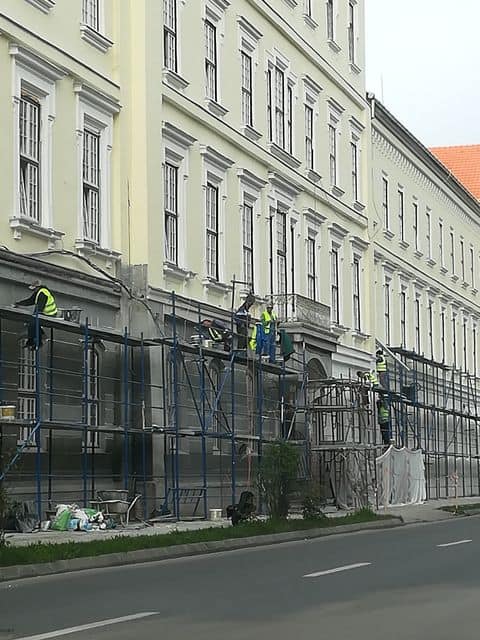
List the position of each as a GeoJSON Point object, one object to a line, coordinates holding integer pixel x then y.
{"type": "Point", "coordinates": [178, 551]}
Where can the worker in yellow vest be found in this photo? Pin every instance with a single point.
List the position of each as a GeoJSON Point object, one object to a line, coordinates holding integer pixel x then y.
{"type": "Point", "coordinates": [382, 371]}
{"type": "Point", "coordinates": [269, 322]}
{"type": "Point", "coordinates": [43, 301]}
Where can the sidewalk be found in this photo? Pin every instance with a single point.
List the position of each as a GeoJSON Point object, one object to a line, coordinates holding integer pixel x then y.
{"type": "Point", "coordinates": [427, 512]}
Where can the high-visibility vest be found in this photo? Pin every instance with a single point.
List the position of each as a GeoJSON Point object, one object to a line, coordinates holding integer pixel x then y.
{"type": "Point", "coordinates": [215, 335]}
{"type": "Point", "coordinates": [267, 320]}
{"type": "Point", "coordinates": [372, 376]}
{"type": "Point", "coordinates": [50, 308]}
{"type": "Point", "coordinates": [253, 339]}
{"type": "Point", "coordinates": [381, 364]}
{"type": "Point", "coordinates": [383, 414]}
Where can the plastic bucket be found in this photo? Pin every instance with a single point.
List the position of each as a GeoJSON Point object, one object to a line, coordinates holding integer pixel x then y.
{"type": "Point", "coordinates": [215, 514]}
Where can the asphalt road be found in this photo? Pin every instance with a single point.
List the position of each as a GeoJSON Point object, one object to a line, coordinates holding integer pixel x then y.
{"type": "Point", "coordinates": [389, 584]}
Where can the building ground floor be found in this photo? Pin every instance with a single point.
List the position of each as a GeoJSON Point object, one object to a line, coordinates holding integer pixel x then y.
{"type": "Point", "coordinates": [129, 398]}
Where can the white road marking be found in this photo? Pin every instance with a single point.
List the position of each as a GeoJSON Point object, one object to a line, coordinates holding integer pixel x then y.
{"type": "Point", "coordinates": [337, 570]}
{"type": "Point", "coordinates": [92, 625]}
{"type": "Point", "coordinates": [451, 544]}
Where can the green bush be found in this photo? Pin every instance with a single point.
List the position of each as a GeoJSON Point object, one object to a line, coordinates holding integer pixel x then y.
{"type": "Point", "coordinates": [277, 475]}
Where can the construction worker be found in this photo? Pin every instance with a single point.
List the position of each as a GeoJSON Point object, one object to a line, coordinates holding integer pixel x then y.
{"type": "Point", "coordinates": [382, 371]}
{"type": "Point", "coordinates": [217, 332]}
{"type": "Point", "coordinates": [242, 320]}
{"type": "Point", "coordinates": [44, 303]}
{"type": "Point", "coordinates": [269, 320]}
{"type": "Point", "coordinates": [383, 414]}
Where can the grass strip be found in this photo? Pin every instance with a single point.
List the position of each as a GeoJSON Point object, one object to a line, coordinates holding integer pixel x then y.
{"type": "Point", "coordinates": [49, 552]}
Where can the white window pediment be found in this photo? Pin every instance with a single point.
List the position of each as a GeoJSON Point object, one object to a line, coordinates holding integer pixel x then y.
{"type": "Point", "coordinates": [251, 181]}
{"type": "Point", "coordinates": [97, 99]}
{"type": "Point", "coordinates": [283, 189]}
{"type": "Point", "coordinates": [215, 159]}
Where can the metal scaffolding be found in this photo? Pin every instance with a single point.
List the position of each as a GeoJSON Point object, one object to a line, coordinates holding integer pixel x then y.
{"type": "Point", "coordinates": [98, 408]}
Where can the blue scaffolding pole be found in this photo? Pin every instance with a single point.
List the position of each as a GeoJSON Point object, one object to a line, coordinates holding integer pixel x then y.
{"type": "Point", "coordinates": [38, 418]}
{"type": "Point", "coordinates": [176, 488]}
{"type": "Point", "coordinates": [85, 413]}
{"type": "Point", "coordinates": [126, 442]}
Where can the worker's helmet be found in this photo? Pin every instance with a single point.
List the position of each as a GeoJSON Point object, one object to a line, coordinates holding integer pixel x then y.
{"type": "Point", "coordinates": [379, 352]}
{"type": "Point", "coordinates": [34, 284]}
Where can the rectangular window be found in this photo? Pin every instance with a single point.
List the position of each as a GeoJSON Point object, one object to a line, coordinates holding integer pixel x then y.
{"type": "Point", "coordinates": [474, 349]}
{"type": "Point", "coordinates": [210, 61]}
{"type": "Point", "coordinates": [247, 240]}
{"type": "Point", "coordinates": [354, 154]}
{"type": "Point", "coordinates": [335, 286]}
{"type": "Point", "coordinates": [269, 105]}
{"type": "Point", "coordinates": [91, 14]}
{"type": "Point", "coordinates": [415, 226]}
{"type": "Point", "coordinates": [332, 146]}
{"type": "Point", "coordinates": [401, 215]}
{"type": "Point", "coordinates": [290, 119]}
{"type": "Point", "coordinates": [351, 32]}
{"type": "Point", "coordinates": [386, 310]}
{"type": "Point", "coordinates": [171, 213]}
{"type": "Point", "coordinates": [247, 94]}
{"type": "Point", "coordinates": [282, 259]}
{"type": "Point", "coordinates": [418, 344]}
{"type": "Point", "coordinates": [311, 269]}
{"type": "Point", "coordinates": [330, 20]}
{"type": "Point", "coordinates": [462, 259]}
{"type": "Point", "coordinates": [443, 334]}
{"type": "Point", "coordinates": [472, 270]}
{"type": "Point", "coordinates": [91, 186]}
{"type": "Point", "coordinates": [212, 231]}
{"type": "Point", "coordinates": [170, 34]}
{"type": "Point", "coordinates": [29, 132]}
{"type": "Point", "coordinates": [430, 329]}
{"type": "Point", "coordinates": [440, 245]}
{"type": "Point", "coordinates": [309, 137]}
{"type": "Point", "coordinates": [279, 108]}
{"type": "Point", "coordinates": [403, 318]}
{"type": "Point", "coordinates": [356, 294]}
{"type": "Point", "coordinates": [454, 339]}
{"type": "Point", "coordinates": [385, 204]}
{"type": "Point", "coordinates": [307, 7]}
{"type": "Point", "coordinates": [465, 344]}
{"type": "Point", "coordinates": [452, 253]}
{"type": "Point", "coordinates": [428, 233]}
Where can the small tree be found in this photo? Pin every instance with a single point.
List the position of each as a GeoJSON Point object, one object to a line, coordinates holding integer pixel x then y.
{"type": "Point", "coordinates": [277, 476]}
{"type": "Point", "coordinates": [4, 506]}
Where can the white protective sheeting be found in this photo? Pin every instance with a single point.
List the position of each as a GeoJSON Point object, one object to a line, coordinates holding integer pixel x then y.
{"type": "Point", "coordinates": [400, 477]}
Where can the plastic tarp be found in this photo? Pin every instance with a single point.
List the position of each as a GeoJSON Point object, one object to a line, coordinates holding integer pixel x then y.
{"type": "Point", "coordinates": [400, 477]}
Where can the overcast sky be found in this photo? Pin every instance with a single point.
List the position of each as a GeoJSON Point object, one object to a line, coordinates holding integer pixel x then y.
{"type": "Point", "coordinates": [428, 54]}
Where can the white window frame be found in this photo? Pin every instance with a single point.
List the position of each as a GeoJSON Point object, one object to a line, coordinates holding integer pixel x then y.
{"type": "Point", "coordinates": [312, 264]}
{"type": "Point", "coordinates": [93, 397]}
{"type": "Point", "coordinates": [93, 33]}
{"type": "Point", "coordinates": [215, 167]}
{"type": "Point", "coordinates": [428, 232]}
{"type": "Point", "coordinates": [452, 256]}
{"type": "Point", "coordinates": [443, 333]}
{"type": "Point", "coordinates": [401, 213]}
{"type": "Point", "coordinates": [465, 344]}
{"type": "Point", "coordinates": [250, 190]}
{"type": "Point", "coordinates": [357, 293]}
{"type": "Point", "coordinates": [431, 327]}
{"type": "Point", "coordinates": [95, 112]}
{"type": "Point", "coordinates": [387, 308]}
{"type": "Point", "coordinates": [281, 104]}
{"type": "Point", "coordinates": [403, 316]}
{"type": "Point", "coordinates": [214, 13]}
{"type": "Point", "coordinates": [472, 266]}
{"type": "Point", "coordinates": [330, 15]}
{"type": "Point", "coordinates": [352, 33]}
{"type": "Point", "coordinates": [312, 93]}
{"type": "Point", "coordinates": [462, 259]}
{"type": "Point", "coordinates": [170, 211]}
{"type": "Point", "coordinates": [334, 129]}
{"type": "Point", "coordinates": [170, 33]}
{"type": "Point", "coordinates": [441, 244]}
{"type": "Point", "coordinates": [417, 315]}
{"type": "Point", "coordinates": [36, 77]}
{"type": "Point", "coordinates": [249, 37]}
{"type": "Point", "coordinates": [176, 152]}
{"type": "Point", "coordinates": [415, 225]}
{"type": "Point", "coordinates": [385, 202]}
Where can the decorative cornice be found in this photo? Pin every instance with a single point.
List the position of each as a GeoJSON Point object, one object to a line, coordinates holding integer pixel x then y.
{"type": "Point", "coordinates": [174, 134]}
{"type": "Point", "coordinates": [95, 38]}
{"type": "Point", "coordinates": [311, 85]}
{"type": "Point", "coordinates": [284, 185]}
{"type": "Point", "coordinates": [36, 63]}
{"type": "Point", "coordinates": [97, 99]}
{"type": "Point", "coordinates": [215, 158]}
{"type": "Point", "coordinates": [43, 5]}
{"type": "Point", "coordinates": [251, 180]}
{"type": "Point", "coordinates": [249, 29]}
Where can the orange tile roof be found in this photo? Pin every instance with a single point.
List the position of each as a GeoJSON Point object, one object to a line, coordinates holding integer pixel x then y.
{"type": "Point", "coordinates": [464, 162]}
